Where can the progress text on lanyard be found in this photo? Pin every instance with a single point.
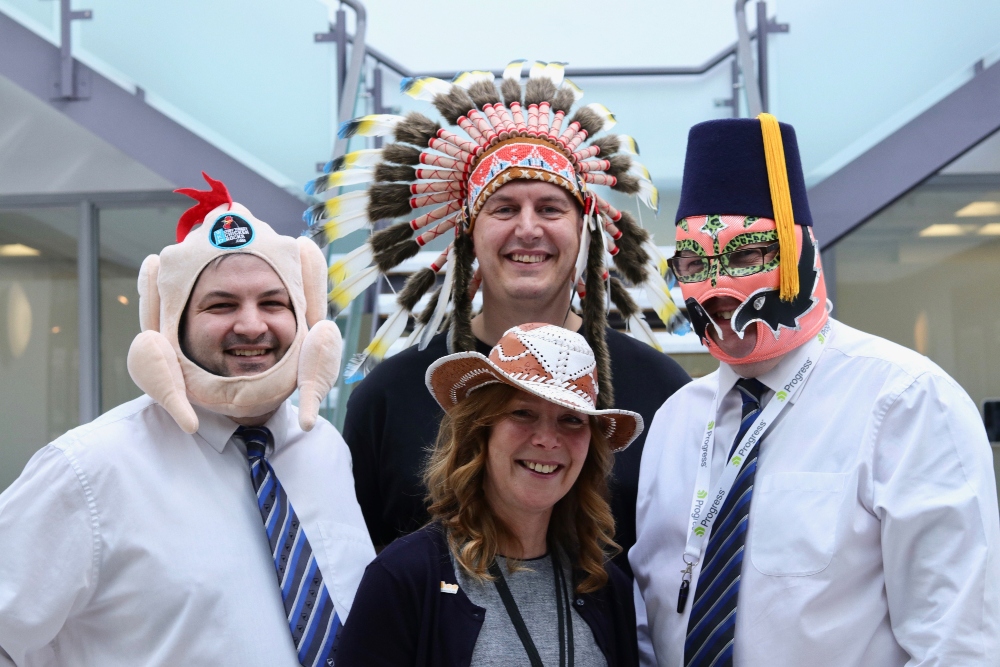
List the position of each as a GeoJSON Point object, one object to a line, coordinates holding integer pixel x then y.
{"type": "Point", "coordinates": [706, 505]}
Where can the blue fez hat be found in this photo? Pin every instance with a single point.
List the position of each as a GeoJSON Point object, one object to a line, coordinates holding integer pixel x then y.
{"type": "Point", "coordinates": [725, 171]}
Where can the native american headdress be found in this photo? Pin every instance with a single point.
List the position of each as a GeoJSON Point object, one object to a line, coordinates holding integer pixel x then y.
{"type": "Point", "coordinates": [510, 134]}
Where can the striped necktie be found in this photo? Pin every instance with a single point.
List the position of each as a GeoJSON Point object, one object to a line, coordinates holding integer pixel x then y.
{"type": "Point", "coordinates": [308, 607]}
{"type": "Point", "coordinates": [711, 628]}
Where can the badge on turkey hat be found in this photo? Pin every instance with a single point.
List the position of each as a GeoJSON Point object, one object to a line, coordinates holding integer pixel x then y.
{"type": "Point", "coordinates": [231, 231]}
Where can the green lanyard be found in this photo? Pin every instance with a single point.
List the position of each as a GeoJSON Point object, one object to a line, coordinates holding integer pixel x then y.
{"type": "Point", "coordinates": [563, 609]}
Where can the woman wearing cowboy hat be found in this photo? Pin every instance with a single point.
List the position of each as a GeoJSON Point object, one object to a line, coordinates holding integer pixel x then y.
{"type": "Point", "coordinates": [513, 569]}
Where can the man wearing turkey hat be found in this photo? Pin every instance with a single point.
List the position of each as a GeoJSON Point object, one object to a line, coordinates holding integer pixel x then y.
{"type": "Point", "coordinates": [209, 521]}
{"type": "Point", "coordinates": [826, 497]}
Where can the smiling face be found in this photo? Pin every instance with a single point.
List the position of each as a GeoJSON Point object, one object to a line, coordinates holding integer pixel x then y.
{"type": "Point", "coordinates": [534, 456]}
{"type": "Point", "coordinates": [239, 318]}
{"type": "Point", "coordinates": [526, 238]}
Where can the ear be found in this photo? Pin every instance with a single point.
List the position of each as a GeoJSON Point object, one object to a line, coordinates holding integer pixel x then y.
{"type": "Point", "coordinates": [154, 368]}
{"type": "Point", "coordinates": [313, 280]}
{"type": "Point", "coordinates": [149, 294]}
{"type": "Point", "coordinates": [319, 365]}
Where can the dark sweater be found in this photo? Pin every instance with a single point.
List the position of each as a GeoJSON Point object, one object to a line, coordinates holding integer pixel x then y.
{"type": "Point", "coordinates": [392, 422]}
{"type": "Point", "coordinates": [402, 618]}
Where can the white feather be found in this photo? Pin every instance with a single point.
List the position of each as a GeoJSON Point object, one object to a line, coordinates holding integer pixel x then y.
{"type": "Point", "coordinates": [657, 261]}
{"type": "Point", "coordinates": [584, 251]}
{"type": "Point", "coordinates": [640, 330]}
{"type": "Point", "coordinates": [355, 261]}
{"type": "Point", "coordinates": [466, 79]}
{"type": "Point", "coordinates": [513, 70]}
{"type": "Point", "coordinates": [577, 90]}
{"type": "Point", "coordinates": [425, 88]}
{"type": "Point", "coordinates": [555, 72]}
{"type": "Point", "coordinates": [444, 300]}
{"type": "Point", "coordinates": [414, 335]}
{"type": "Point", "coordinates": [649, 195]}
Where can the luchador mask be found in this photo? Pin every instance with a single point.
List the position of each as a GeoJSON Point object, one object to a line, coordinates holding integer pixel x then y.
{"type": "Point", "coordinates": [747, 171]}
{"type": "Point", "coordinates": [781, 325]}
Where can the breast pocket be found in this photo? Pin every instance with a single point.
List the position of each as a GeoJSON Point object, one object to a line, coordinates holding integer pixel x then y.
{"type": "Point", "coordinates": [794, 522]}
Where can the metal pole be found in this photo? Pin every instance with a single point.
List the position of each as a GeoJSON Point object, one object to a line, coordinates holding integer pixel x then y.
{"type": "Point", "coordinates": [349, 89]}
{"type": "Point", "coordinates": [762, 52]}
{"type": "Point", "coordinates": [340, 34]}
{"type": "Point", "coordinates": [66, 87]}
{"type": "Point", "coordinates": [745, 57]}
{"type": "Point", "coordinates": [89, 309]}
{"type": "Point", "coordinates": [735, 99]}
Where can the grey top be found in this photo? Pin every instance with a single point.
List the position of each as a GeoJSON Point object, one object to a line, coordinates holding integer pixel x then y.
{"type": "Point", "coordinates": [533, 588]}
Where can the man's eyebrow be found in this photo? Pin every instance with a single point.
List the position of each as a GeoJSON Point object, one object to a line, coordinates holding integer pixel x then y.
{"type": "Point", "coordinates": [218, 294]}
{"type": "Point", "coordinates": [222, 294]}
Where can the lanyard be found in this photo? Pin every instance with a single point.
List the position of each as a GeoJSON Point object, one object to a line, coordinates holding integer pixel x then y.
{"type": "Point", "coordinates": [562, 607]}
{"type": "Point", "coordinates": [707, 505]}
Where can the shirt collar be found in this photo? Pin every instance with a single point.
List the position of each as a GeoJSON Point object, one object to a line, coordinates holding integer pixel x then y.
{"type": "Point", "coordinates": [217, 429]}
{"type": "Point", "coordinates": [774, 378]}
{"type": "Point", "coordinates": [214, 428]}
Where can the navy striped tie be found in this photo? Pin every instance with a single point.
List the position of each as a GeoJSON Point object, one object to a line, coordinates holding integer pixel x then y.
{"type": "Point", "coordinates": [308, 607]}
{"type": "Point", "coordinates": [712, 625]}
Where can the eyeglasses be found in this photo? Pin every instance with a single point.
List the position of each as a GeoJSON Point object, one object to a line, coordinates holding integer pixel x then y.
{"type": "Point", "coordinates": [735, 264]}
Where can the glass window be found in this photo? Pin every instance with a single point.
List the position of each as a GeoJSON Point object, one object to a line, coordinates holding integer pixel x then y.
{"type": "Point", "coordinates": [925, 272]}
{"type": "Point", "coordinates": [38, 332]}
{"type": "Point", "coordinates": [128, 236]}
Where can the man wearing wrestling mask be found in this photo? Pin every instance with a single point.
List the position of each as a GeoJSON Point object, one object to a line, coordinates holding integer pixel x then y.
{"type": "Point", "coordinates": [825, 498]}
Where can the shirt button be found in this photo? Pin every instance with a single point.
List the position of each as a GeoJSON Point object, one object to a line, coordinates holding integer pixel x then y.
{"type": "Point", "coordinates": [579, 602]}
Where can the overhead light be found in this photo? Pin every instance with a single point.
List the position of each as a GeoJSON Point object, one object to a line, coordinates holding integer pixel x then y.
{"type": "Point", "coordinates": [946, 229]}
{"type": "Point", "coordinates": [18, 250]}
{"type": "Point", "coordinates": [979, 209]}
{"type": "Point", "coordinates": [992, 229]}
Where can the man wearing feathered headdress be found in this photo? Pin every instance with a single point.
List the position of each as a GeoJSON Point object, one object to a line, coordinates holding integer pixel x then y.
{"type": "Point", "coordinates": [827, 497]}
{"type": "Point", "coordinates": [209, 521]}
{"type": "Point", "coordinates": [517, 192]}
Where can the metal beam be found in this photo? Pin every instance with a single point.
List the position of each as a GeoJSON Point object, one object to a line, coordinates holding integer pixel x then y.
{"type": "Point", "coordinates": [124, 120]}
{"type": "Point", "coordinates": [352, 77]}
{"type": "Point", "coordinates": [744, 56]}
{"type": "Point", "coordinates": [69, 85]}
{"type": "Point", "coordinates": [89, 312]}
{"type": "Point", "coordinates": [907, 157]}
{"type": "Point", "coordinates": [572, 72]}
{"type": "Point", "coordinates": [99, 199]}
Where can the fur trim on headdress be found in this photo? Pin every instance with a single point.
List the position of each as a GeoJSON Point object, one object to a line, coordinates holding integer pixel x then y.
{"type": "Point", "coordinates": [595, 320]}
{"type": "Point", "coordinates": [462, 339]}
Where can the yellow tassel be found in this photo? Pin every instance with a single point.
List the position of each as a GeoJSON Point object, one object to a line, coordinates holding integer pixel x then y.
{"type": "Point", "coordinates": [781, 201]}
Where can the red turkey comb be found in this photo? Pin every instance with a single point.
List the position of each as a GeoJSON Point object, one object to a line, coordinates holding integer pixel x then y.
{"type": "Point", "coordinates": [207, 201]}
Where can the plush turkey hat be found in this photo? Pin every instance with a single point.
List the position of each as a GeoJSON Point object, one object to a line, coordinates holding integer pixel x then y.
{"type": "Point", "coordinates": [541, 359]}
{"type": "Point", "coordinates": [156, 360]}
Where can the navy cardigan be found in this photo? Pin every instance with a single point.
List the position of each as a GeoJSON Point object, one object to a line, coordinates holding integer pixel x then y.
{"type": "Point", "coordinates": [401, 617]}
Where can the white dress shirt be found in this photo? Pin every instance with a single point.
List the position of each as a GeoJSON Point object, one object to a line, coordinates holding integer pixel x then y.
{"type": "Point", "coordinates": [128, 542]}
{"type": "Point", "coordinates": [874, 530]}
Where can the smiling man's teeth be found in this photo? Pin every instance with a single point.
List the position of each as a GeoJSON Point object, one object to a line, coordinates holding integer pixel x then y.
{"type": "Point", "coordinates": [527, 259]}
{"type": "Point", "coordinates": [725, 314]}
{"type": "Point", "coordinates": [249, 353]}
{"type": "Point", "coordinates": [540, 467]}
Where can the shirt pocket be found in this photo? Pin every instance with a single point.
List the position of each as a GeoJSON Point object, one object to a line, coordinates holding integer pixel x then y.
{"type": "Point", "coordinates": [794, 522]}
